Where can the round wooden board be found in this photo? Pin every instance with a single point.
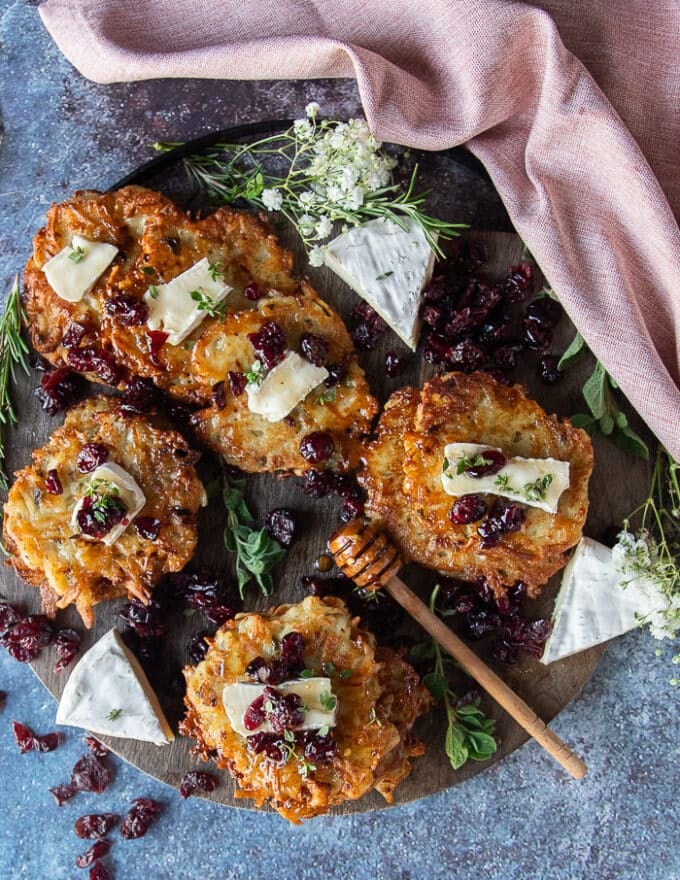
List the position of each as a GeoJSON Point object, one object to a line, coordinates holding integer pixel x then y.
{"type": "Point", "coordinates": [617, 484]}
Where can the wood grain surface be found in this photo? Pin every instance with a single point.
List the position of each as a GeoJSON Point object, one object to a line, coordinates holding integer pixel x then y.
{"type": "Point", "coordinates": [617, 485]}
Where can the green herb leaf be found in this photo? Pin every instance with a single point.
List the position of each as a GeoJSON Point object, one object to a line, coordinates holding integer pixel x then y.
{"type": "Point", "coordinates": [13, 352]}
{"type": "Point", "coordinates": [216, 270]}
{"type": "Point", "coordinates": [77, 254]}
{"type": "Point", "coordinates": [327, 396]}
{"type": "Point", "coordinates": [464, 463]}
{"type": "Point", "coordinates": [256, 374]}
{"type": "Point", "coordinates": [307, 673]}
{"type": "Point", "coordinates": [572, 353]}
{"type": "Point", "coordinates": [148, 270]}
{"type": "Point", "coordinates": [436, 684]}
{"type": "Point", "coordinates": [208, 305]}
{"type": "Point", "coordinates": [454, 746]}
{"type": "Point", "coordinates": [595, 391]}
{"type": "Point", "coordinates": [328, 701]}
{"type": "Point", "coordinates": [114, 713]}
{"type": "Point", "coordinates": [581, 420]}
{"type": "Point", "coordinates": [536, 491]}
{"type": "Point", "coordinates": [153, 291]}
{"type": "Point", "coordinates": [385, 275]}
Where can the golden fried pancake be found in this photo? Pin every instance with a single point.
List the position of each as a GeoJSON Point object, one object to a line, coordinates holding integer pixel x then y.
{"type": "Point", "coordinates": [379, 698]}
{"type": "Point", "coordinates": [403, 467]}
{"type": "Point", "coordinates": [46, 547]}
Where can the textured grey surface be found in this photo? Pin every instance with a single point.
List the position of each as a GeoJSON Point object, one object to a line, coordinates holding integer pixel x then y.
{"type": "Point", "coordinates": [523, 819]}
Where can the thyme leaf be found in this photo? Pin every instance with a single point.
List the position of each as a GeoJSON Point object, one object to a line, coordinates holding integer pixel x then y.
{"type": "Point", "coordinates": [13, 351]}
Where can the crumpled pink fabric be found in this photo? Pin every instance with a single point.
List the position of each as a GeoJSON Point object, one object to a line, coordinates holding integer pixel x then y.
{"type": "Point", "coordinates": [495, 75]}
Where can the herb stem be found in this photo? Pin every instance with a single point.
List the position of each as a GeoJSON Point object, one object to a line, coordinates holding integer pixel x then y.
{"type": "Point", "coordinates": [13, 352]}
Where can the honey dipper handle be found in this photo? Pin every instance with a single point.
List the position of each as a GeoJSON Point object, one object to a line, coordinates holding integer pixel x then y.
{"type": "Point", "coordinates": [483, 675]}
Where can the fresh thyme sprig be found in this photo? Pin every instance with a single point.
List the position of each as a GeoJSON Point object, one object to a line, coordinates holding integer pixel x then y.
{"type": "Point", "coordinates": [257, 553]}
{"type": "Point", "coordinates": [315, 173]}
{"type": "Point", "coordinates": [207, 304]}
{"type": "Point", "coordinates": [13, 351]}
{"type": "Point", "coordinates": [469, 733]}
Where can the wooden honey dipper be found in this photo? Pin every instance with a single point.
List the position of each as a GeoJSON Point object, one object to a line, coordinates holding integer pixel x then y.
{"type": "Point", "coordinates": [370, 559]}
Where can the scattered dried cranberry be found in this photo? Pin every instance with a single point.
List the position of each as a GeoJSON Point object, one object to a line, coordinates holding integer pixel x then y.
{"type": "Point", "coordinates": [270, 744]}
{"type": "Point", "coordinates": [467, 509]}
{"type": "Point", "coordinates": [90, 773]}
{"type": "Point", "coordinates": [218, 395]}
{"type": "Point", "coordinates": [536, 335]}
{"type": "Point", "coordinates": [546, 311]}
{"type": "Point", "coordinates": [337, 372]}
{"type": "Point", "coordinates": [157, 339]}
{"type": "Point", "coordinates": [196, 779]}
{"type": "Point", "coordinates": [25, 638]}
{"type": "Point", "coordinates": [317, 447]}
{"type": "Point", "coordinates": [351, 509]}
{"type": "Point", "coordinates": [253, 291]}
{"type": "Point", "coordinates": [9, 615]}
{"type": "Point", "coordinates": [146, 621]}
{"type": "Point", "coordinates": [466, 356]}
{"type": "Point", "coordinates": [95, 825]}
{"type": "Point", "coordinates": [147, 527]}
{"type": "Point", "coordinates": [66, 645]}
{"type": "Point", "coordinates": [237, 383]}
{"type": "Point", "coordinates": [317, 484]}
{"type": "Point", "coordinates": [505, 356]}
{"type": "Point", "coordinates": [269, 344]}
{"type": "Point", "coordinates": [319, 749]}
{"type": "Point", "coordinates": [28, 741]}
{"type": "Point", "coordinates": [369, 327]}
{"type": "Point", "coordinates": [283, 711]}
{"type": "Point", "coordinates": [492, 462]}
{"type": "Point", "coordinates": [91, 456]}
{"type": "Point", "coordinates": [314, 349]}
{"type": "Point", "coordinates": [282, 524]}
{"type": "Point", "coordinates": [139, 818]}
{"type": "Point", "coordinates": [99, 871]}
{"type": "Point", "coordinates": [292, 652]}
{"type": "Point", "coordinates": [519, 283]}
{"type": "Point", "coordinates": [504, 517]}
{"type": "Point", "coordinates": [139, 396]}
{"type": "Point", "coordinates": [99, 513]}
{"type": "Point", "coordinates": [97, 748]}
{"type": "Point", "coordinates": [255, 714]}
{"type": "Point", "coordinates": [548, 370]}
{"type": "Point", "coordinates": [204, 590]}
{"type": "Point", "coordinates": [394, 364]}
{"type": "Point", "coordinates": [129, 311]}
{"type": "Point", "coordinates": [96, 851]}
{"type": "Point", "coordinates": [198, 647]}
{"type": "Point", "coordinates": [219, 613]}
{"type": "Point", "coordinates": [58, 389]}
{"type": "Point", "coordinates": [53, 483]}
{"type": "Point", "coordinates": [74, 335]}
{"type": "Point", "coordinates": [92, 360]}
{"type": "Point", "coordinates": [62, 793]}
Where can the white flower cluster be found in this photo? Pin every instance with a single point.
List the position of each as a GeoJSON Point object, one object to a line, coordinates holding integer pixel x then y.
{"type": "Point", "coordinates": [344, 165]}
{"type": "Point", "coordinates": [637, 559]}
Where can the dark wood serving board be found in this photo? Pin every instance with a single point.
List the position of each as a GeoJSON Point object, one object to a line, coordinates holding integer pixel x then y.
{"type": "Point", "coordinates": [617, 485]}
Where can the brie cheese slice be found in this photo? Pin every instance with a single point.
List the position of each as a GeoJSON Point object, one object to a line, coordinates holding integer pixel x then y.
{"type": "Point", "coordinates": [172, 308]}
{"type": "Point", "coordinates": [284, 387]}
{"type": "Point", "coordinates": [74, 270]}
{"type": "Point", "coordinates": [537, 482]}
{"type": "Point", "coordinates": [129, 493]}
{"type": "Point", "coordinates": [592, 606]}
{"type": "Point", "coordinates": [109, 694]}
{"type": "Point", "coordinates": [314, 692]}
{"type": "Point", "coordinates": [387, 266]}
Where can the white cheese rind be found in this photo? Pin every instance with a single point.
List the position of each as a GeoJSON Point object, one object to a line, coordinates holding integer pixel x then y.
{"type": "Point", "coordinates": [519, 471]}
{"type": "Point", "coordinates": [108, 678]}
{"type": "Point", "coordinates": [592, 606]}
{"type": "Point", "coordinates": [171, 308]}
{"type": "Point", "coordinates": [71, 280]}
{"type": "Point", "coordinates": [284, 387]}
{"type": "Point", "coordinates": [387, 266]}
{"type": "Point", "coordinates": [129, 493]}
{"type": "Point", "coordinates": [238, 696]}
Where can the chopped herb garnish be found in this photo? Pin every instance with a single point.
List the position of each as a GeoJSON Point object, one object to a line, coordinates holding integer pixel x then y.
{"type": "Point", "coordinates": [189, 344]}
{"type": "Point", "coordinates": [13, 351]}
{"type": "Point", "coordinates": [216, 270]}
{"type": "Point", "coordinates": [327, 396]}
{"type": "Point", "coordinates": [384, 275]}
{"type": "Point", "coordinates": [323, 731]}
{"type": "Point", "coordinates": [307, 673]}
{"type": "Point", "coordinates": [445, 466]}
{"type": "Point", "coordinates": [153, 292]}
{"type": "Point", "coordinates": [328, 701]}
{"type": "Point", "coordinates": [77, 254]}
{"type": "Point", "coordinates": [208, 305]}
{"type": "Point", "coordinates": [114, 713]}
{"type": "Point", "coordinates": [104, 496]}
{"type": "Point", "coordinates": [256, 374]}
{"type": "Point", "coordinates": [148, 270]}
{"type": "Point", "coordinates": [503, 483]}
{"type": "Point", "coordinates": [536, 491]}
{"type": "Point", "coordinates": [464, 463]}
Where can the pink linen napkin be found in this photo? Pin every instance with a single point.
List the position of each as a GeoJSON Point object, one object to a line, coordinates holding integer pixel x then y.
{"type": "Point", "coordinates": [495, 75]}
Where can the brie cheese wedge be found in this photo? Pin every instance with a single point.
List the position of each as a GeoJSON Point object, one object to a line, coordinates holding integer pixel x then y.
{"type": "Point", "coordinates": [109, 694]}
{"type": "Point", "coordinates": [74, 270]}
{"type": "Point", "coordinates": [174, 310]}
{"type": "Point", "coordinates": [387, 266]}
{"type": "Point", "coordinates": [537, 482]}
{"type": "Point", "coordinates": [129, 493]}
{"type": "Point", "coordinates": [315, 693]}
{"type": "Point", "coordinates": [284, 387]}
{"type": "Point", "coordinates": [592, 606]}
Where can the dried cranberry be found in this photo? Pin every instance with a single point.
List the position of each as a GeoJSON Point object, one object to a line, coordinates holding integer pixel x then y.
{"type": "Point", "coordinates": [91, 456]}
{"type": "Point", "coordinates": [196, 779]}
{"type": "Point", "coordinates": [493, 333]}
{"type": "Point", "coordinates": [96, 851]}
{"type": "Point", "coordinates": [129, 311]}
{"type": "Point", "coordinates": [344, 485]}
{"type": "Point", "coordinates": [66, 645]}
{"type": "Point", "coordinates": [519, 283]}
{"type": "Point", "coordinates": [317, 484]}
{"type": "Point", "coordinates": [218, 395]}
{"type": "Point", "coordinates": [269, 344]}
{"type": "Point", "coordinates": [467, 509]}
{"type": "Point", "coordinates": [198, 647]}
{"type": "Point", "coordinates": [92, 360]}
{"type": "Point", "coordinates": [157, 339]}
{"type": "Point", "coordinates": [433, 315]}
{"type": "Point", "coordinates": [463, 321]}
{"type": "Point", "coordinates": [319, 749]}
{"type": "Point", "coordinates": [99, 513]}
{"type": "Point", "coordinates": [504, 517]}
{"type": "Point", "coordinates": [505, 357]}
{"type": "Point", "coordinates": [219, 613]}
{"type": "Point", "coordinates": [97, 748]}
{"type": "Point", "coordinates": [282, 524]}
{"type": "Point", "coordinates": [465, 356]}
{"type": "Point", "coordinates": [58, 389]}
{"type": "Point", "coordinates": [255, 714]}
{"type": "Point", "coordinates": [237, 383]}
{"type": "Point", "coordinates": [202, 589]}
{"type": "Point", "coordinates": [351, 509]}
{"type": "Point", "coordinates": [147, 527]}
{"type": "Point", "coordinates": [292, 652]}
{"type": "Point", "coordinates": [253, 291]}
{"type": "Point", "coordinates": [436, 290]}
{"type": "Point", "coordinates": [29, 741]}
{"type": "Point", "coordinates": [314, 349]}
{"type": "Point", "coordinates": [139, 396]}
{"type": "Point", "coordinates": [90, 773]}
{"type": "Point", "coordinates": [317, 447]}
{"type": "Point", "coordinates": [62, 793]}
{"type": "Point", "coordinates": [491, 462]}
{"type": "Point", "coordinates": [95, 825]}
{"type": "Point", "coordinates": [282, 711]}
{"type": "Point", "coordinates": [337, 372]}
{"type": "Point", "coordinates": [74, 335]}
{"type": "Point", "coordinates": [369, 328]}
{"type": "Point", "coordinates": [9, 615]}
{"type": "Point", "coordinates": [549, 371]}
{"type": "Point", "coordinates": [394, 364]}
{"type": "Point", "coordinates": [25, 638]}
{"type": "Point", "coordinates": [147, 621]}
{"type": "Point", "coordinates": [536, 335]}
{"type": "Point", "coordinates": [546, 311]}
{"type": "Point", "coordinates": [270, 744]}
{"type": "Point", "coordinates": [99, 871]}
{"type": "Point", "coordinates": [139, 818]}
{"type": "Point", "coordinates": [53, 483]}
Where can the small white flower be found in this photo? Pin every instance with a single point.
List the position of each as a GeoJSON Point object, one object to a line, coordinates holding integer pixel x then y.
{"type": "Point", "coordinates": [323, 227]}
{"type": "Point", "coordinates": [306, 225]}
{"type": "Point", "coordinates": [272, 199]}
{"type": "Point", "coordinates": [312, 109]}
{"type": "Point", "coordinates": [306, 198]}
{"type": "Point", "coordinates": [355, 199]}
{"type": "Point", "coordinates": [303, 129]}
{"type": "Point", "coordinates": [316, 256]}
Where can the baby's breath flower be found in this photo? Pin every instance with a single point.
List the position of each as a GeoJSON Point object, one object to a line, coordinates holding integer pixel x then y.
{"type": "Point", "coordinates": [312, 109]}
{"type": "Point", "coordinates": [303, 129]}
{"type": "Point", "coordinates": [272, 199]}
{"type": "Point", "coordinates": [323, 227]}
{"type": "Point", "coordinates": [316, 256]}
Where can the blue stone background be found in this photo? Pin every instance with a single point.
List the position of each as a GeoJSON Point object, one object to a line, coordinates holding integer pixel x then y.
{"type": "Point", "coordinates": [521, 819]}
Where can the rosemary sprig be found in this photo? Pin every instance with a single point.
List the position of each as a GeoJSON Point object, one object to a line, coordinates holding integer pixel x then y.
{"type": "Point", "coordinates": [257, 553]}
{"type": "Point", "coordinates": [13, 351]}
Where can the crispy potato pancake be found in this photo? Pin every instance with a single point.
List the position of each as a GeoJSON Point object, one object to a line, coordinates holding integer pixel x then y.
{"type": "Point", "coordinates": [378, 703]}
{"type": "Point", "coordinates": [157, 242]}
{"type": "Point", "coordinates": [403, 468]}
{"type": "Point", "coordinates": [70, 568]}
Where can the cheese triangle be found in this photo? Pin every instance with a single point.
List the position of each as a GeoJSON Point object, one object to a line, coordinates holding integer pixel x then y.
{"type": "Point", "coordinates": [387, 266]}
{"type": "Point", "coordinates": [108, 693]}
